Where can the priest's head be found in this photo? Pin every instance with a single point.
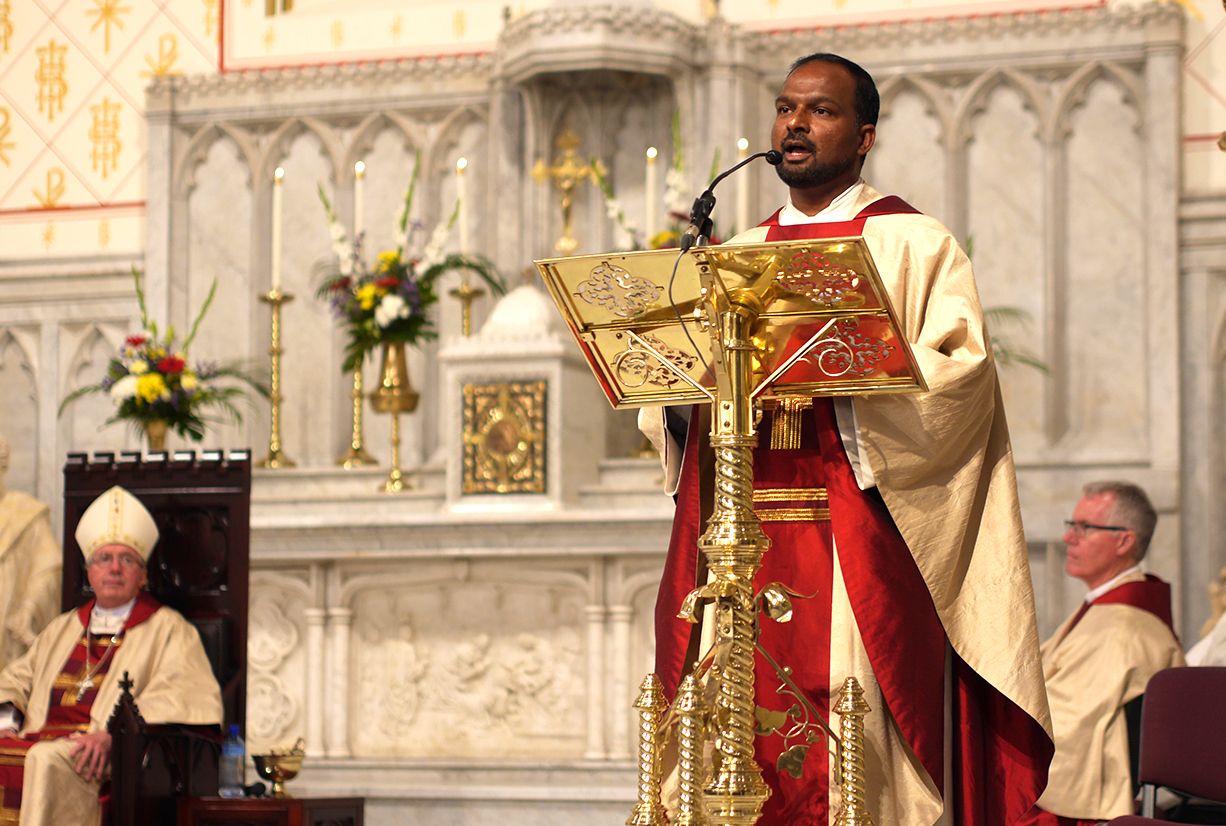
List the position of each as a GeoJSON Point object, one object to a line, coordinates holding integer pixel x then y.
{"type": "Point", "coordinates": [1109, 533]}
{"type": "Point", "coordinates": [825, 125]}
{"type": "Point", "coordinates": [116, 534]}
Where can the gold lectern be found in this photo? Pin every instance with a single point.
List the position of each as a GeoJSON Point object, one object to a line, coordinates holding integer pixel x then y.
{"type": "Point", "coordinates": [747, 328]}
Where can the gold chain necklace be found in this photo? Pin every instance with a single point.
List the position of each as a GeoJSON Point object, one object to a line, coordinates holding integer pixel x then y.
{"type": "Point", "coordinates": [87, 681]}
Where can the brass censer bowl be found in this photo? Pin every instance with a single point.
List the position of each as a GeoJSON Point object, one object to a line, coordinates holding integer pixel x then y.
{"type": "Point", "coordinates": [280, 766]}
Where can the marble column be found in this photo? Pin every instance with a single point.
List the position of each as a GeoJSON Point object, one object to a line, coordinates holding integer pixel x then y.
{"type": "Point", "coordinates": [620, 617]}
{"type": "Point", "coordinates": [595, 615]}
{"type": "Point", "coordinates": [316, 668]}
{"type": "Point", "coordinates": [339, 620]}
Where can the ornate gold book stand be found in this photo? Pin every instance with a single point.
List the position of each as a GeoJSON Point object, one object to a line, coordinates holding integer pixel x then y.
{"type": "Point", "coordinates": [746, 328]}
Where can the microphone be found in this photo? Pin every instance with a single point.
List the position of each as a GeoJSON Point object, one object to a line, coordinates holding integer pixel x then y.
{"type": "Point", "coordinates": [700, 213]}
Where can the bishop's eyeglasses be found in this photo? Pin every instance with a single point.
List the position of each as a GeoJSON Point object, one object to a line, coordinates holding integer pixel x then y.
{"type": "Point", "coordinates": [1079, 528]}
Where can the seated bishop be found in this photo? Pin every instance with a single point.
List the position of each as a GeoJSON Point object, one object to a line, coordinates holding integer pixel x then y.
{"type": "Point", "coordinates": [55, 699]}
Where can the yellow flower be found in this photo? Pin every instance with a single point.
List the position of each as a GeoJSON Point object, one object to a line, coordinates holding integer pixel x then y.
{"type": "Point", "coordinates": [139, 367]}
{"type": "Point", "coordinates": [188, 381]}
{"type": "Point", "coordinates": [387, 260]}
{"type": "Point", "coordinates": [367, 294]}
{"type": "Point", "coordinates": [150, 387]}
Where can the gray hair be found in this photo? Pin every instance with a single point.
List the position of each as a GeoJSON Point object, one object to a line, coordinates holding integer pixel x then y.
{"type": "Point", "coordinates": [1131, 508]}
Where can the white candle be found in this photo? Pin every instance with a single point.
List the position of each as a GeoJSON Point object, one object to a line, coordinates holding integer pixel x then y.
{"type": "Point", "coordinates": [742, 188]}
{"type": "Point", "coordinates": [359, 173]}
{"type": "Point", "coordinates": [277, 178]}
{"type": "Point", "coordinates": [651, 197]}
{"type": "Point", "coordinates": [460, 166]}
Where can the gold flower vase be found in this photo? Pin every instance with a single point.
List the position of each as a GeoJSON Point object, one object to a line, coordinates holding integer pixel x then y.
{"type": "Point", "coordinates": [394, 395]}
{"type": "Point", "coordinates": [155, 435]}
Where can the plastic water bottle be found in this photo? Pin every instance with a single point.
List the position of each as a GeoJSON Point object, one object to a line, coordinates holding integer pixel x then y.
{"type": "Point", "coordinates": [233, 764]}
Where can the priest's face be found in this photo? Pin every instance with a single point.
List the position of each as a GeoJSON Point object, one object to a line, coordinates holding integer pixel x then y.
{"type": "Point", "coordinates": [816, 130]}
{"type": "Point", "coordinates": [116, 573]}
{"type": "Point", "coordinates": [1099, 546]}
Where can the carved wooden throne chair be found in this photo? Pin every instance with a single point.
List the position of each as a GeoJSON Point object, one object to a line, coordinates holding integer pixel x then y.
{"type": "Point", "coordinates": [202, 506]}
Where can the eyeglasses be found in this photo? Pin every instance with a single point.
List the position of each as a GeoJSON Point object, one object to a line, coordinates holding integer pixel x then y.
{"type": "Point", "coordinates": [1078, 528]}
{"type": "Point", "coordinates": [126, 560]}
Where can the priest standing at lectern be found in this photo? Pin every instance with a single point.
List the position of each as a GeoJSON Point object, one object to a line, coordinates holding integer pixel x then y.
{"type": "Point", "coordinates": [898, 513]}
{"type": "Point", "coordinates": [56, 699]}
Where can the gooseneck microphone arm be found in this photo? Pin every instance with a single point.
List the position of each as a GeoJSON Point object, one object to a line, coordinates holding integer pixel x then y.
{"type": "Point", "coordinates": [700, 213]}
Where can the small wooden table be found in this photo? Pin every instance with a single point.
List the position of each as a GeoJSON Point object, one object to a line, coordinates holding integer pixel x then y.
{"type": "Point", "coordinates": [271, 811]}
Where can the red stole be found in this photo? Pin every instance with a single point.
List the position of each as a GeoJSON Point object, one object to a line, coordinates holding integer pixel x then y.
{"type": "Point", "coordinates": [1000, 754]}
{"type": "Point", "coordinates": [68, 710]}
{"type": "Point", "coordinates": [1151, 594]}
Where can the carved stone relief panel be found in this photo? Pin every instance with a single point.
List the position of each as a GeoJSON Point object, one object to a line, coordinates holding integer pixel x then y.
{"type": "Point", "coordinates": [275, 662]}
{"type": "Point", "coordinates": [457, 669]}
{"type": "Point", "coordinates": [1108, 291]}
{"type": "Point", "coordinates": [1007, 239]}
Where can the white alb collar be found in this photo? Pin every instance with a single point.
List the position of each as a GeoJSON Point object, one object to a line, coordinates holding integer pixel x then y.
{"type": "Point", "coordinates": [110, 620]}
{"type": "Point", "coordinates": [840, 209]}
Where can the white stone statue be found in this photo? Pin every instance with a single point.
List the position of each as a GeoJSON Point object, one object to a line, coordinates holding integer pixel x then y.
{"type": "Point", "coordinates": [30, 564]}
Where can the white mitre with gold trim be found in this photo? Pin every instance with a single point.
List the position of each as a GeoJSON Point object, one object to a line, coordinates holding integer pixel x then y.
{"type": "Point", "coordinates": [116, 518]}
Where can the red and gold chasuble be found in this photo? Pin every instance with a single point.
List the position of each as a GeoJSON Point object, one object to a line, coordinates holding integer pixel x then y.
{"type": "Point", "coordinates": [807, 499]}
{"type": "Point", "coordinates": [72, 700]}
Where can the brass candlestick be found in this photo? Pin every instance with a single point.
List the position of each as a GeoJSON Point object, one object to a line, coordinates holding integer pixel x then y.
{"type": "Point", "coordinates": [356, 456]}
{"type": "Point", "coordinates": [851, 709]}
{"type": "Point", "coordinates": [275, 458]}
{"type": "Point", "coordinates": [394, 395]}
{"type": "Point", "coordinates": [466, 293]}
{"type": "Point", "coordinates": [649, 811]}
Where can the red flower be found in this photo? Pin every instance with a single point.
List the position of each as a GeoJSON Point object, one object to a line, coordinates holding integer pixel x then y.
{"type": "Point", "coordinates": [171, 365]}
{"type": "Point", "coordinates": [136, 340]}
{"type": "Point", "coordinates": [387, 281]}
{"type": "Point", "coordinates": [340, 284]}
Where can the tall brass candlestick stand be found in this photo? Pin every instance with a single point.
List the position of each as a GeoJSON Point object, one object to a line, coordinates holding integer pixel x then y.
{"type": "Point", "coordinates": [394, 395]}
{"type": "Point", "coordinates": [356, 456]}
{"type": "Point", "coordinates": [275, 458]}
{"type": "Point", "coordinates": [466, 293]}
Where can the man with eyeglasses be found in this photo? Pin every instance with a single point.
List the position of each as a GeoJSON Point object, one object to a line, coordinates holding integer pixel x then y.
{"type": "Point", "coordinates": [1103, 655]}
{"type": "Point", "coordinates": [55, 700]}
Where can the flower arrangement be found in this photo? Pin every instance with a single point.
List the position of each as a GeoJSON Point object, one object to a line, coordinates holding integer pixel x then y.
{"type": "Point", "coordinates": [151, 380]}
{"type": "Point", "coordinates": [388, 300]}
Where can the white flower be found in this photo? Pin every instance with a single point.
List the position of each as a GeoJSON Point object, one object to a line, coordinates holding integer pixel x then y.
{"type": "Point", "coordinates": [391, 308]}
{"type": "Point", "coordinates": [613, 209]}
{"type": "Point", "coordinates": [139, 367]}
{"type": "Point", "coordinates": [338, 232]}
{"type": "Point", "coordinates": [342, 250]}
{"type": "Point", "coordinates": [345, 266]}
{"type": "Point", "coordinates": [433, 253]}
{"type": "Point", "coordinates": [123, 389]}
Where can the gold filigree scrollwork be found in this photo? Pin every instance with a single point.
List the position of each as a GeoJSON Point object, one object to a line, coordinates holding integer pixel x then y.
{"type": "Point", "coordinates": [108, 14]}
{"type": "Point", "coordinates": [637, 366]}
{"type": "Point", "coordinates": [616, 290]}
{"type": "Point", "coordinates": [849, 352]}
{"type": "Point", "coordinates": [504, 438]}
{"type": "Point", "coordinates": [830, 286]}
{"type": "Point", "coordinates": [6, 26]}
